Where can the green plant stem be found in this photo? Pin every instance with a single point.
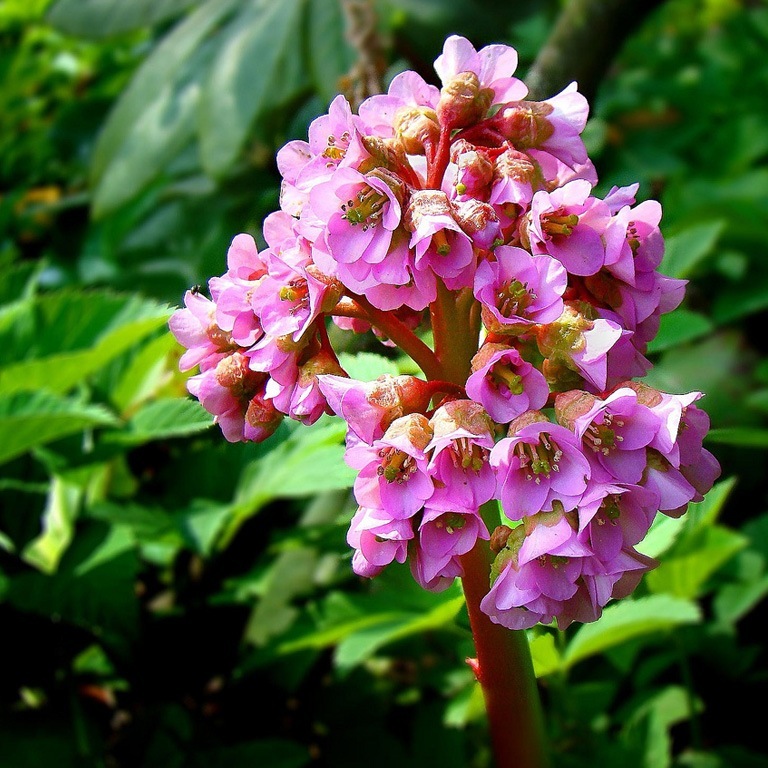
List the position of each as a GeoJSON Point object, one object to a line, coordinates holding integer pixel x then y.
{"type": "Point", "coordinates": [504, 669]}
{"type": "Point", "coordinates": [455, 342]}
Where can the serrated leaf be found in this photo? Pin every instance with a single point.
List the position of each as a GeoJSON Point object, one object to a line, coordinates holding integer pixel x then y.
{"type": "Point", "coordinates": [257, 69]}
{"type": "Point", "coordinates": [330, 54]}
{"type": "Point", "coordinates": [687, 249]}
{"type": "Point", "coordinates": [685, 575]}
{"type": "Point", "coordinates": [154, 117]}
{"type": "Point", "coordinates": [98, 19]}
{"type": "Point", "coordinates": [164, 418]}
{"type": "Point", "coordinates": [679, 327]}
{"type": "Point", "coordinates": [37, 418]}
{"type": "Point", "coordinates": [627, 620]}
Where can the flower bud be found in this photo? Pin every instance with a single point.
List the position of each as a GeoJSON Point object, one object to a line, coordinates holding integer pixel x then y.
{"type": "Point", "coordinates": [414, 428]}
{"type": "Point", "coordinates": [572, 404]}
{"type": "Point", "coordinates": [646, 395]}
{"type": "Point", "coordinates": [261, 418]}
{"type": "Point", "coordinates": [525, 420]}
{"type": "Point", "coordinates": [474, 170]}
{"type": "Point", "coordinates": [385, 153]}
{"type": "Point", "coordinates": [464, 415]}
{"type": "Point", "coordinates": [416, 127]}
{"type": "Point", "coordinates": [525, 123]}
{"type": "Point", "coordinates": [425, 203]}
{"type": "Point", "coordinates": [463, 102]}
{"type": "Point", "coordinates": [478, 220]}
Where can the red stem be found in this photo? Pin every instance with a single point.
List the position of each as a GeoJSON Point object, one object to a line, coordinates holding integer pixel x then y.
{"type": "Point", "coordinates": [439, 162]}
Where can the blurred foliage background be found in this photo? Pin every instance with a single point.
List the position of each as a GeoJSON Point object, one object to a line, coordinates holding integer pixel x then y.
{"type": "Point", "coordinates": [169, 599]}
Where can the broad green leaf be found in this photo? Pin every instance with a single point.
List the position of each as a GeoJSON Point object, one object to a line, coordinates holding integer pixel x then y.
{"type": "Point", "coordinates": [162, 419]}
{"type": "Point", "coordinates": [154, 117]}
{"type": "Point", "coordinates": [746, 297]}
{"type": "Point", "coordinates": [700, 514]}
{"type": "Point", "coordinates": [98, 19]}
{"type": "Point", "coordinates": [367, 366]}
{"type": "Point", "coordinates": [466, 707]}
{"type": "Point", "coordinates": [330, 54]}
{"type": "Point", "coordinates": [258, 67]}
{"type": "Point", "coordinates": [679, 327]}
{"type": "Point", "coordinates": [59, 516]}
{"type": "Point", "coordinates": [18, 281]}
{"type": "Point", "coordinates": [545, 655]}
{"type": "Point", "coordinates": [685, 575]}
{"type": "Point", "coordinates": [627, 620]}
{"type": "Point", "coordinates": [685, 250]}
{"type": "Point", "coordinates": [28, 420]}
{"type": "Point", "coordinates": [357, 647]}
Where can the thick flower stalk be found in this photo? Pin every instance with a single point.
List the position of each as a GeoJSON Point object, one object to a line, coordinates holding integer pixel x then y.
{"type": "Point", "coordinates": [466, 215]}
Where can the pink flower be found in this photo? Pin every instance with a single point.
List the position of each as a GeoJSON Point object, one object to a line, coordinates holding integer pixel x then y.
{"type": "Point", "coordinates": [378, 540]}
{"type": "Point", "coordinates": [505, 384]}
{"type": "Point", "coordinates": [460, 447]}
{"type": "Point", "coordinates": [518, 290]}
{"type": "Point", "coordinates": [393, 471]}
{"type": "Point", "coordinates": [493, 65]}
{"type": "Point", "coordinates": [568, 224]}
{"type": "Point", "coordinates": [194, 327]}
{"type": "Point", "coordinates": [538, 464]}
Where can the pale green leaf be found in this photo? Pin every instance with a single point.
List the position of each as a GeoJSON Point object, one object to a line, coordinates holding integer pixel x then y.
{"type": "Point", "coordinates": [627, 620]}
{"type": "Point", "coordinates": [257, 69]}
{"type": "Point", "coordinates": [367, 366]}
{"type": "Point", "coordinates": [45, 551]}
{"type": "Point", "coordinates": [154, 117]}
{"type": "Point", "coordinates": [98, 19]}
{"type": "Point", "coordinates": [544, 653]}
{"type": "Point", "coordinates": [164, 418]}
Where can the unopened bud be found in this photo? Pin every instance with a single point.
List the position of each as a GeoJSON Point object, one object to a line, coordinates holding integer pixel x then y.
{"type": "Point", "coordinates": [570, 405]}
{"type": "Point", "coordinates": [425, 203]}
{"type": "Point", "coordinates": [262, 415]}
{"type": "Point", "coordinates": [466, 415]}
{"type": "Point", "coordinates": [414, 427]}
{"type": "Point", "coordinates": [499, 538]}
{"type": "Point", "coordinates": [525, 123]}
{"type": "Point", "coordinates": [463, 102]}
{"type": "Point", "coordinates": [335, 288]}
{"type": "Point", "coordinates": [474, 172]}
{"type": "Point", "coordinates": [394, 182]}
{"type": "Point", "coordinates": [234, 373]}
{"type": "Point", "coordinates": [416, 127]}
{"type": "Point", "coordinates": [384, 153]}
{"type": "Point", "coordinates": [514, 165]}
{"type": "Point", "coordinates": [478, 220]}
{"type": "Point", "coordinates": [525, 420]}
{"type": "Point", "coordinates": [646, 395]}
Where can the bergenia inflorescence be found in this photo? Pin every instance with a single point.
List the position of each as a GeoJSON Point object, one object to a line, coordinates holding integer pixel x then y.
{"type": "Point", "coordinates": [461, 225]}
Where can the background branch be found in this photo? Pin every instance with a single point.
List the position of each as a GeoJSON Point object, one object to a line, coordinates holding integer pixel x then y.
{"type": "Point", "coordinates": [587, 36]}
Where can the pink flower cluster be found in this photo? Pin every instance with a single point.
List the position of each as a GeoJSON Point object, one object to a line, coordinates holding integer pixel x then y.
{"type": "Point", "coordinates": [468, 191]}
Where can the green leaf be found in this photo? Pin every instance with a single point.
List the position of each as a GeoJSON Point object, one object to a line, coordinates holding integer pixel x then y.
{"type": "Point", "coordinates": [30, 420]}
{"type": "Point", "coordinates": [59, 516]}
{"type": "Point", "coordinates": [734, 601]}
{"type": "Point", "coordinates": [367, 366]}
{"type": "Point", "coordinates": [309, 462]}
{"type": "Point", "coordinates": [361, 645]}
{"type": "Point", "coordinates": [751, 437]}
{"type": "Point", "coordinates": [627, 620]}
{"type": "Point", "coordinates": [685, 575]}
{"type": "Point", "coordinates": [98, 19]}
{"type": "Point", "coordinates": [686, 250]}
{"type": "Point", "coordinates": [679, 327]}
{"type": "Point", "coordinates": [257, 69]}
{"type": "Point", "coordinates": [154, 117]}
{"type": "Point", "coordinates": [330, 55]}
{"type": "Point", "coordinates": [544, 653]}
{"type": "Point", "coordinates": [662, 535]}
{"type": "Point", "coordinates": [162, 419]}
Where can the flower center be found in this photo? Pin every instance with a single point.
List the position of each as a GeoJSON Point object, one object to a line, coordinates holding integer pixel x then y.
{"type": "Point", "coordinates": [468, 455]}
{"type": "Point", "coordinates": [296, 291]}
{"type": "Point", "coordinates": [602, 437]}
{"type": "Point", "coordinates": [365, 209]}
{"type": "Point", "coordinates": [557, 224]}
{"type": "Point", "coordinates": [451, 522]}
{"type": "Point", "coordinates": [502, 377]}
{"type": "Point", "coordinates": [540, 458]}
{"type": "Point", "coordinates": [396, 466]}
{"type": "Point", "coordinates": [336, 149]}
{"type": "Point", "coordinates": [514, 298]}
